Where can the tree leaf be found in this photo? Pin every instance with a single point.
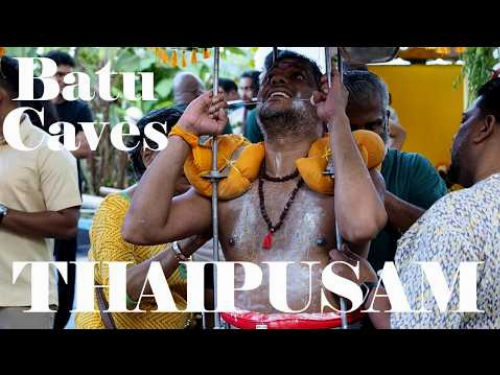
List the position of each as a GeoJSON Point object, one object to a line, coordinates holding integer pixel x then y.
{"type": "Point", "coordinates": [164, 87]}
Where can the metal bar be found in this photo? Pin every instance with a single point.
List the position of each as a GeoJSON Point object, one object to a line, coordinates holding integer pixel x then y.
{"type": "Point", "coordinates": [237, 103]}
{"type": "Point", "coordinates": [275, 54]}
{"type": "Point", "coordinates": [214, 180]}
{"type": "Point", "coordinates": [340, 65]}
{"type": "Point", "coordinates": [328, 65]}
{"type": "Point", "coordinates": [215, 71]}
{"type": "Point", "coordinates": [340, 240]}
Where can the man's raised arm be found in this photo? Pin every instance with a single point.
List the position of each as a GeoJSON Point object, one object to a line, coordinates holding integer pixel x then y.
{"type": "Point", "coordinates": [359, 209]}
{"type": "Point", "coordinates": [155, 216]}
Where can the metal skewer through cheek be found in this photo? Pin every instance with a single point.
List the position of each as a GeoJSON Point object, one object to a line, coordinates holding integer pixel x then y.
{"type": "Point", "coordinates": [340, 240]}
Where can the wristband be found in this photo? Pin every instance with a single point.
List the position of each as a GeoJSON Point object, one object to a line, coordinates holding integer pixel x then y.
{"type": "Point", "coordinates": [190, 138]}
{"type": "Point", "coordinates": [3, 212]}
{"type": "Point", "coordinates": [178, 252]}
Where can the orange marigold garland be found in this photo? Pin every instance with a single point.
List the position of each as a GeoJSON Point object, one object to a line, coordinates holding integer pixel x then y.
{"type": "Point", "coordinates": [194, 57]}
{"type": "Point", "coordinates": [174, 59]}
{"type": "Point", "coordinates": [184, 61]}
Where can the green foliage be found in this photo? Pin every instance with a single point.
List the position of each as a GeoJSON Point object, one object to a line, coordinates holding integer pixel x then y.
{"type": "Point", "coordinates": [477, 68]}
{"type": "Point", "coordinates": [110, 167]}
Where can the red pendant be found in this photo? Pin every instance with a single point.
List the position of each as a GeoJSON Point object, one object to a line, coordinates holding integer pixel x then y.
{"type": "Point", "coordinates": [268, 241]}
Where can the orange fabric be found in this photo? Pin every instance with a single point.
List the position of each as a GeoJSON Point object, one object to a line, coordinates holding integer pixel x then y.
{"type": "Point", "coordinates": [372, 147]}
{"type": "Point", "coordinates": [190, 138]}
{"type": "Point", "coordinates": [243, 160]}
{"type": "Point", "coordinates": [311, 169]}
{"type": "Point", "coordinates": [241, 172]}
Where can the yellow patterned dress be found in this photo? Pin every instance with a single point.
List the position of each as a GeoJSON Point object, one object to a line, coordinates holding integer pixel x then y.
{"type": "Point", "coordinates": [108, 245]}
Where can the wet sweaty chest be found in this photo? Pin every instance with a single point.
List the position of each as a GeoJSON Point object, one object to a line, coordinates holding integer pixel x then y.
{"type": "Point", "coordinates": [306, 234]}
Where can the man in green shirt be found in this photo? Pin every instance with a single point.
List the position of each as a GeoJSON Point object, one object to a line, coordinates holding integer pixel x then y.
{"type": "Point", "coordinates": [252, 129]}
{"type": "Point", "coordinates": [413, 185]}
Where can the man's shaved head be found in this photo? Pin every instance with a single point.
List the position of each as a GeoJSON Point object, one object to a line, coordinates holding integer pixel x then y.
{"type": "Point", "coordinates": [187, 87]}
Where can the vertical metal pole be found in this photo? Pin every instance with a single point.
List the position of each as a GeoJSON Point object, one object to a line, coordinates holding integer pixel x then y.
{"type": "Point", "coordinates": [328, 65]}
{"type": "Point", "coordinates": [340, 240]}
{"type": "Point", "coordinates": [340, 64]}
{"type": "Point", "coordinates": [275, 54]}
{"type": "Point", "coordinates": [215, 180]}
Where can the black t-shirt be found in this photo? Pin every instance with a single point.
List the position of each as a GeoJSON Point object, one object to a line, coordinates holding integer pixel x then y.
{"type": "Point", "coordinates": [74, 112]}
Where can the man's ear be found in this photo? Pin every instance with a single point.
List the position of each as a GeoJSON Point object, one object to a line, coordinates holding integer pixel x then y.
{"type": "Point", "coordinates": [387, 120]}
{"type": "Point", "coordinates": [487, 127]}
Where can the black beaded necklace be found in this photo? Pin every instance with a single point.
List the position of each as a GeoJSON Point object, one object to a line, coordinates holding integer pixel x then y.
{"type": "Point", "coordinates": [267, 243]}
{"type": "Point", "coordinates": [290, 177]}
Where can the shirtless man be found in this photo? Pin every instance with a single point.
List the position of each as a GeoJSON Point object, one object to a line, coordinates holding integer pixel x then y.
{"type": "Point", "coordinates": [291, 124]}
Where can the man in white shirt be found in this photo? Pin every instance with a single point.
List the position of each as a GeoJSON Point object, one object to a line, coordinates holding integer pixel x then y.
{"type": "Point", "coordinates": [39, 201]}
{"type": "Point", "coordinates": [463, 226]}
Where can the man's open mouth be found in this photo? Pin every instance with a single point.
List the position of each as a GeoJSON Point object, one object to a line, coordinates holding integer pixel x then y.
{"type": "Point", "coordinates": [279, 94]}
